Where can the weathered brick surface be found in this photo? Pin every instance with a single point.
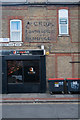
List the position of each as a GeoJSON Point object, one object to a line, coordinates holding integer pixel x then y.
{"type": "Point", "coordinates": [64, 67]}
{"type": "Point", "coordinates": [50, 68]}
{"type": "Point", "coordinates": [40, 26]}
{"type": "Point", "coordinates": [76, 66]}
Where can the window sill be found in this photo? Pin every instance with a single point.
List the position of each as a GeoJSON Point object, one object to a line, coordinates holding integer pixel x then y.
{"type": "Point", "coordinates": [64, 35]}
{"type": "Point", "coordinates": [15, 42]}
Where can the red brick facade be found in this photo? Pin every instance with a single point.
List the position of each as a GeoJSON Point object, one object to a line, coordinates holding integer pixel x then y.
{"type": "Point", "coordinates": [43, 29]}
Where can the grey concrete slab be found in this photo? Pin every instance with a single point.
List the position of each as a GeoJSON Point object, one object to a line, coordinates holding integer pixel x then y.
{"type": "Point", "coordinates": [39, 95]}
{"type": "Point", "coordinates": [39, 1]}
{"type": "Point", "coordinates": [39, 98]}
{"type": "Point", "coordinates": [33, 1]}
{"type": "Point", "coordinates": [13, 1]}
{"type": "Point", "coordinates": [40, 111]}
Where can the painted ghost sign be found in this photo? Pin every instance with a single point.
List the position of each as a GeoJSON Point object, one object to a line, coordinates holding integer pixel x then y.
{"type": "Point", "coordinates": [40, 31]}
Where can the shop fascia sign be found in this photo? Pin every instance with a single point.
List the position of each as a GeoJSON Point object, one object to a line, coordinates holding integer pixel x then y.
{"type": "Point", "coordinates": [27, 52]}
{"type": "Point", "coordinates": [21, 52]}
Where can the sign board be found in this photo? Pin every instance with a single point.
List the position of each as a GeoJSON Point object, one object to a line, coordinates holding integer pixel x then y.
{"type": "Point", "coordinates": [23, 52]}
{"type": "Point", "coordinates": [4, 39]}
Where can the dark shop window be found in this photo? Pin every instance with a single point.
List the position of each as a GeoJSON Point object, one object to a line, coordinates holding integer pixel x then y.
{"type": "Point", "coordinates": [31, 71]}
{"type": "Point", "coordinates": [23, 71]}
{"type": "Point", "coordinates": [15, 72]}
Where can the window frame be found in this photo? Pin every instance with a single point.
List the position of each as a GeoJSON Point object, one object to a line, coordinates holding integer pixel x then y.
{"type": "Point", "coordinates": [67, 25]}
{"type": "Point", "coordinates": [16, 30]}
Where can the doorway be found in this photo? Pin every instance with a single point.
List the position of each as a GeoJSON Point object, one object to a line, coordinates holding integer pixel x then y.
{"type": "Point", "coordinates": [24, 74]}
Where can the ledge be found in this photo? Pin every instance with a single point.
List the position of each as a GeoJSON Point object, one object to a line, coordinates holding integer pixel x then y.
{"type": "Point", "coordinates": [64, 35]}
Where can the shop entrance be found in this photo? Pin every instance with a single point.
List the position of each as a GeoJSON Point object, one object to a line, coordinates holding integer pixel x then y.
{"type": "Point", "coordinates": [24, 74]}
{"type": "Point", "coordinates": [23, 71]}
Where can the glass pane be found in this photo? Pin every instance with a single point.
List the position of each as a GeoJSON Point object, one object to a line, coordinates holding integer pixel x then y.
{"type": "Point", "coordinates": [15, 25]}
{"type": "Point", "coordinates": [63, 13]}
{"type": "Point", "coordinates": [15, 36]}
{"type": "Point", "coordinates": [15, 71]}
{"type": "Point", "coordinates": [63, 29]}
{"type": "Point", "coordinates": [31, 71]}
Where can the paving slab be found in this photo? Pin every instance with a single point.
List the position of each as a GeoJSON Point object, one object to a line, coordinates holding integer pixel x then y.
{"type": "Point", "coordinates": [38, 97]}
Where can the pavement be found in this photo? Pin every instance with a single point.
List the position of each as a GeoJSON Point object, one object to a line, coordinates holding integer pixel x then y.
{"type": "Point", "coordinates": [38, 98]}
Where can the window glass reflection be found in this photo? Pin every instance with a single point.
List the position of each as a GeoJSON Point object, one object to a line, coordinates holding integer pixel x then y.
{"type": "Point", "coordinates": [15, 72]}
{"type": "Point", "coordinates": [23, 71]}
{"type": "Point", "coordinates": [31, 71]}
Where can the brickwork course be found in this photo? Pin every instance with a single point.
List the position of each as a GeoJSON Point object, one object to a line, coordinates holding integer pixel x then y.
{"type": "Point", "coordinates": [40, 27]}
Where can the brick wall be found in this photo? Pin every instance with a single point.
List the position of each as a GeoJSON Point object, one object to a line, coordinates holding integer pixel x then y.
{"type": "Point", "coordinates": [40, 26]}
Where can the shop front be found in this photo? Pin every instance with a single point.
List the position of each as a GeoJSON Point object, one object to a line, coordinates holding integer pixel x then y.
{"type": "Point", "coordinates": [23, 71]}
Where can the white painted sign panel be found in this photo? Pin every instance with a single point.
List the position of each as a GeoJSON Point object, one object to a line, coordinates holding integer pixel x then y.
{"type": "Point", "coordinates": [4, 39]}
